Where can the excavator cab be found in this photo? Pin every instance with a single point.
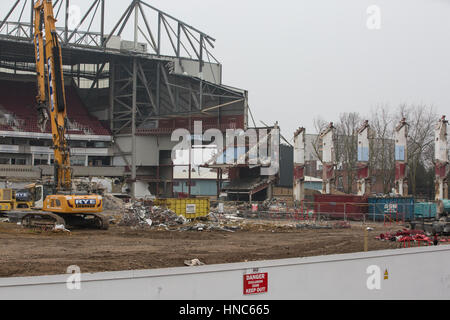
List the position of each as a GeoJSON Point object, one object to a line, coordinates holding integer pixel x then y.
{"type": "Point", "coordinates": [23, 200]}
{"type": "Point", "coordinates": [38, 193]}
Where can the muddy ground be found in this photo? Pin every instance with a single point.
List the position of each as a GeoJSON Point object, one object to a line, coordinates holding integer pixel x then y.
{"type": "Point", "coordinates": [32, 253]}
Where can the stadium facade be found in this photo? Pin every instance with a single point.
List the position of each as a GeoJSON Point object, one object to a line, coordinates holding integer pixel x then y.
{"type": "Point", "coordinates": [125, 96]}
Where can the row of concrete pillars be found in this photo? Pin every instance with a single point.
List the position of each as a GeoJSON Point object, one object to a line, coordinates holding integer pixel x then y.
{"type": "Point", "coordinates": [328, 138]}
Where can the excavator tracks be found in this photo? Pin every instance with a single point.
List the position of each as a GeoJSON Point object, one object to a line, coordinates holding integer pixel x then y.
{"type": "Point", "coordinates": [101, 222]}
{"type": "Point", "coordinates": [47, 220]}
{"type": "Point", "coordinates": [42, 220]}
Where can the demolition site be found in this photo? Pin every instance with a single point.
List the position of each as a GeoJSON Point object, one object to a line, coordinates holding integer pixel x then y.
{"type": "Point", "coordinates": [119, 154]}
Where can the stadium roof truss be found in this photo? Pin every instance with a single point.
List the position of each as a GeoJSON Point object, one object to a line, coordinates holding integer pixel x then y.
{"type": "Point", "coordinates": [91, 32]}
{"type": "Point", "coordinates": [145, 85]}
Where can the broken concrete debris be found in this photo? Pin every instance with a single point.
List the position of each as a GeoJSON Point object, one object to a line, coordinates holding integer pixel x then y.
{"type": "Point", "coordinates": [60, 228]}
{"type": "Point", "coordinates": [210, 227]}
{"type": "Point", "coordinates": [312, 226]}
{"type": "Point", "coordinates": [193, 263]}
{"type": "Point", "coordinates": [139, 214]}
{"type": "Point", "coordinates": [143, 214]}
{"type": "Point", "coordinates": [112, 203]}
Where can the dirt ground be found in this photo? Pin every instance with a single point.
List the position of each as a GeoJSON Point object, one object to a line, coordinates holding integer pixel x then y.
{"type": "Point", "coordinates": [32, 253]}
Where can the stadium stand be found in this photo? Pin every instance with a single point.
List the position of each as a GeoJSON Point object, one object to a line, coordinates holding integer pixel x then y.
{"type": "Point", "coordinates": [18, 100]}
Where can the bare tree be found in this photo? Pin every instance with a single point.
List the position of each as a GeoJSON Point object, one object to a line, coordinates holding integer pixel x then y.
{"type": "Point", "coordinates": [421, 120]}
{"type": "Point", "coordinates": [319, 125]}
{"type": "Point", "coordinates": [382, 159]}
{"type": "Point", "coordinates": [347, 148]}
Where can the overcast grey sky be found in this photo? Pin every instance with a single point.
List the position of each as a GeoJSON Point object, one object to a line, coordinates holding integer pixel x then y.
{"type": "Point", "coordinates": [302, 59]}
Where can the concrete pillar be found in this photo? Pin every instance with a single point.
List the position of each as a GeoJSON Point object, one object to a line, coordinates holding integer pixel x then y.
{"type": "Point", "coordinates": [401, 159]}
{"type": "Point", "coordinates": [328, 137]}
{"type": "Point", "coordinates": [299, 166]}
{"type": "Point", "coordinates": [441, 159]}
{"type": "Point", "coordinates": [363, 183]}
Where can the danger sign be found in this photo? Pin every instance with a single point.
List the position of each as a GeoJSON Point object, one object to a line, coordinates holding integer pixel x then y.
{"type": "Point", "coordinates": [255, 283]}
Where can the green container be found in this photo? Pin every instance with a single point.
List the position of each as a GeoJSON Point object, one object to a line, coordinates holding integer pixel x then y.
{"type": "Point", "coordinates": [425, 210]}
{"type": "Point", "coordinates": [446, 206]}
{"type": "Point", "coordinates": [395, 208]}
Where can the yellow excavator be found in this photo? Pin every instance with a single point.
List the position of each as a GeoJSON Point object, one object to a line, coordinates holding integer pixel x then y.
{"type": "Point", "coordinates": [56, 203]}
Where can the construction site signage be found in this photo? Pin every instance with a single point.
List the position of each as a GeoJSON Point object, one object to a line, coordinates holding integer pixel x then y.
{"type": "Point", "coordinates": [191, 208]}
{"type": "Point", "coordinates": [256, 283]}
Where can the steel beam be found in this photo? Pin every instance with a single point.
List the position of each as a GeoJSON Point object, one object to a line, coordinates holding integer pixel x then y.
{"type": "Point", "coordinates": [9, 14]}
{"type": "Point", "coordinates": [133, 129]}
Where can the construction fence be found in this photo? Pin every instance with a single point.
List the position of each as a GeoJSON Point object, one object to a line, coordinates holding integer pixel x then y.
{"type": "Point", "coordinates": [385, 212]}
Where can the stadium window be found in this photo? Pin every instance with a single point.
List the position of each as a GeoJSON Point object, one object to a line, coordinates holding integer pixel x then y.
{"type": "Point", "coordinates": [18, 161]}
{"type": "Point", "coordinates": [104, 83]}
{"type": "Point", "coordinates": [99, 161]}
{"type": "Point", "coordinates": [5, 141]}
{"type": "Point", "coordinates": [78, 161]}
{"type": "Point", "coordinates": [100, 144]}
{"type": "Point", "coordinates": [40, 162]}
{"type": "Point", "coordinates": [38, 143]}
{"type": "Point", "coordinates": [165, 154]}
{"type": "Point", "coordinates": [20, 141]}
{"type": "Point", "coordinates": [77, 144]}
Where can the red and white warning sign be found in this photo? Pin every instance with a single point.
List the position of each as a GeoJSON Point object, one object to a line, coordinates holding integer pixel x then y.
{"type": "Point", "coordinates": [256, 283]}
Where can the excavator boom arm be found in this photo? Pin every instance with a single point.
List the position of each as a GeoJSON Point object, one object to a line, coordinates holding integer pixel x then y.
{"type": "Point", "coordinates": [48, 54]}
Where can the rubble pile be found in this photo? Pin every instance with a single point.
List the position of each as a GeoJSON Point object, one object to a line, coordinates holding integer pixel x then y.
{"type": "Point", "coordinates": [161, 216]}
{"type": "Point", "coordinates": [225, 219]}
{"type": "Point", "coordinates": [211, 226]}
{"type": "Point", "coordinates": [313, 226]}
{"type": "Point", "coordinates": [84, 185]}
{"type": "Point", "coordinates": [139, 214]}
{"type": "Point", "coordinates": [231, 209]}
{"type": "Point", "coordinates": [273, 205]}
{"type": "Point", "coordinates": [111, 203]}
{"type": "Point", "coordinates": [193, 263]}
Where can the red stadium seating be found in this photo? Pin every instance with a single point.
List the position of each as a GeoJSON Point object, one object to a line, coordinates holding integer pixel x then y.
{"type": "Point", "coordinates": [19, 99]}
